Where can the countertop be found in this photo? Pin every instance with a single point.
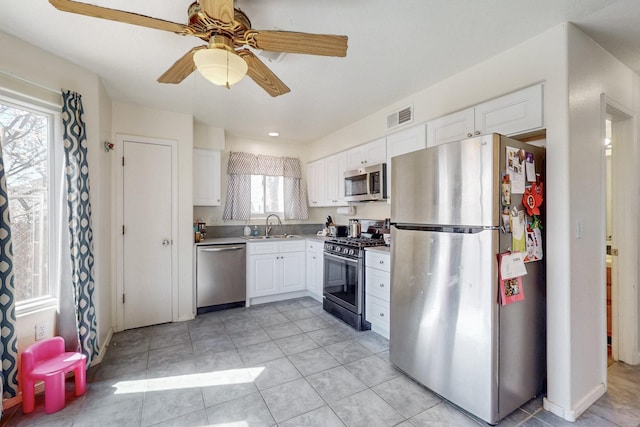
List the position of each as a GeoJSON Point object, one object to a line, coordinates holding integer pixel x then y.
{"type": "Point", "coordinates": [240, 239]}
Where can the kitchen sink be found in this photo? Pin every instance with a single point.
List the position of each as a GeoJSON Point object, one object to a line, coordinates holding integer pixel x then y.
{"type": "Point", "coordinates": [274, 236]}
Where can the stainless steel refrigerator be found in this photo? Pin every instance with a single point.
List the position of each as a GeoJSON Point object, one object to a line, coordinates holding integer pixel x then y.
{"type": "Point", "coordinates": [448, 328]}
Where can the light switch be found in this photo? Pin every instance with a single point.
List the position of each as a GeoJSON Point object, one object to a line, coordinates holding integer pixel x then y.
{"type": "Point", "coordinates": [578, 229]}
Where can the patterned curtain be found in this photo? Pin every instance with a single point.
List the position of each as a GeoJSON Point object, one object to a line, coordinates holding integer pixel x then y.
{"type": "Point", "coordinates": [295, 196]}
{"type": "Point", "coordinates": [8, 338]}
{"type": "Point", "coordinates": [240, 168]}
{"type": "Point", "coordinates": [79, 218]}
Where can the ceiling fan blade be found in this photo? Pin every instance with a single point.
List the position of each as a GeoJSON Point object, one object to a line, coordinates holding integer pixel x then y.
{"type": "Point", "coordinates": [221, 10]}
{"type": "Point", "coordinates": [181, 69]}
{"type": "Point", "coordinates": [262, 75]}
{"type": "Point", "coordinates": [117, 15]}
{"type": "Point", "coordinates": [293, 42]}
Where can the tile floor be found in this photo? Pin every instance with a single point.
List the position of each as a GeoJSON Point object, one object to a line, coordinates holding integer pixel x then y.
{"type": "Point", "coordinates": [286, 364]}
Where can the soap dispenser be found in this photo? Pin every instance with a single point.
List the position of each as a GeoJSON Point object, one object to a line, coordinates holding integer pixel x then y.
{"type": "Point", "coordinates": [255, 231]}
{"type": "Point", "coordinates": [247, 231]}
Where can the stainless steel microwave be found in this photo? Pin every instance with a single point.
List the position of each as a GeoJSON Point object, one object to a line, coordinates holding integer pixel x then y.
{"type": "Point", "coordinates": [366, 184]}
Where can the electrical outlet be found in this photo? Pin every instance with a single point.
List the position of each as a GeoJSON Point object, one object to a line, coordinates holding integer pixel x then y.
{"type": "Point", "coordinates": [42, 329]}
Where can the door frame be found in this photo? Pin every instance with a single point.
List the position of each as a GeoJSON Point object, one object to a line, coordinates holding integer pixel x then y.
{"type": "Point", "coordinates": [625, 274]}
{"type": "Point", "coordinates": [119, 219]}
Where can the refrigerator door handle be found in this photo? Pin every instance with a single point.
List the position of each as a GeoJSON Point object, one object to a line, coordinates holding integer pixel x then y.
{"type": "Point", "coordinates": [443, 228]}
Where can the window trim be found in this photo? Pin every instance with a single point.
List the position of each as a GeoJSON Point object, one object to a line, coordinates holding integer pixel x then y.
{"type": "Point", "coordinates": [55, 199]}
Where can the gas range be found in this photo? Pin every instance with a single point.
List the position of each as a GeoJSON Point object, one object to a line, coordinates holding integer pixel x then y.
{"type": "Point", "coordinates": [349, 246]}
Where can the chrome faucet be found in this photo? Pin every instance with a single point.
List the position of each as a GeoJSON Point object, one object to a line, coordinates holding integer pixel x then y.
{"type": "Point", "coordinates": [267, 228]}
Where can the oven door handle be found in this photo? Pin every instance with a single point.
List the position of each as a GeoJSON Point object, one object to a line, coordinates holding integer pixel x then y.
{"type": "Point", "coordinates": [339, 258]}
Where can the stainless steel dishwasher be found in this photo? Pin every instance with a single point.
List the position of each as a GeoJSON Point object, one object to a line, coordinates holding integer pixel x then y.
{"type": "Point", "coordinates": [220, 276]}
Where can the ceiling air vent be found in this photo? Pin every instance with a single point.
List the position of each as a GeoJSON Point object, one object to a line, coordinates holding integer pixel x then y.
{"type": "Point", "coordinates": [272, 56]}
{"type": "Point", "coordinates": [400, 117]}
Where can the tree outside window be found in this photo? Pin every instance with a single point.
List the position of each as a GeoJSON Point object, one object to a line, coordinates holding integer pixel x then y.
{"type": "Point", "coordinates": [267, 195]}
{"type": "Point", "coordinates": [26, 140]}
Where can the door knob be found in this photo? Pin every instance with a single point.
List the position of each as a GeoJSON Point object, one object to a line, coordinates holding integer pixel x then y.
{"type": "Point", "coordinates": [165, 242]}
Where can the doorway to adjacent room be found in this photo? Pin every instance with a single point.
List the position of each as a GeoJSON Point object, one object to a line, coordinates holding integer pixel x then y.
{"type": "Point", "coordinates": [621, 204]}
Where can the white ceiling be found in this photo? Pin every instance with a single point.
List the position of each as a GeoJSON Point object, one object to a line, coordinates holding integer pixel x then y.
{"type": "Point", "coordinates": [395, 49]}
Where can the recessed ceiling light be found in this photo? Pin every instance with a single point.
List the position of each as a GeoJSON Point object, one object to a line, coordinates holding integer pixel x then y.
{"type": "Point", "coordinates": [274, 134]}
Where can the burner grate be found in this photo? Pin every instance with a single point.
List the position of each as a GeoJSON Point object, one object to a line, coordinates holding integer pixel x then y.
{"type": "Point", "coordinates": [357, 242]}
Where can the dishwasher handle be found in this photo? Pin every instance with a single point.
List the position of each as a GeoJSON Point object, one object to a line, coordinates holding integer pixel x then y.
{"type": "Point", "coordinates": [220, 248]}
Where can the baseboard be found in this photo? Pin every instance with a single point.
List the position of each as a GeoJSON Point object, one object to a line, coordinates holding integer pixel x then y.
{"type": "Point", "coordinates": [103, 349]}
{"type": "Point", "coordinates": [315, 296]}
{"type": "Point", "coordinates": [17, 400]}
{"type": "Point", "coordinates": [276, 297]}
{"type": "Point", "coordinates": [572, 414]}
{"type": "Point", "coordinates": [384, 333]}
{"type": "Point", "coordinates": [186, 318]}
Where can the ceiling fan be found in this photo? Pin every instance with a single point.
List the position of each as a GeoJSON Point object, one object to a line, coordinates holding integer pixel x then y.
{"type": "Point", "coordinates": [225, 29]}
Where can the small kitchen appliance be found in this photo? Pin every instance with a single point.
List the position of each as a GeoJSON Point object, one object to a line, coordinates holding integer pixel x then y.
{"type": "Point", "coordinates": [354, 228]}
{"type": "Point", "coordinates": [366, 184]}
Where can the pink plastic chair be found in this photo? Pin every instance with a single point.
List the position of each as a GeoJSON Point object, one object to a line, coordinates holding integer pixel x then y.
{"type": "Point", "coordinates": [47, 361]}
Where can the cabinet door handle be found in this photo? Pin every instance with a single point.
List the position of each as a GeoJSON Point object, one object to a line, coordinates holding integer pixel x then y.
{"type": "Point", "coordinates": [381, 314]}
{"type": "Point", "coordinates": [381, 285]}
{"type": "Point", "coordinates": [381, 262]}
{"type": "Point", "coordinates": [477, 132]}
{"type": "Point", "coordinates": [469, 134]}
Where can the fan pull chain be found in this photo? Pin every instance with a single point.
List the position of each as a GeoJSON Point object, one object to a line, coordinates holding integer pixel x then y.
{"type": "Point", "coordinates": [228, 87]}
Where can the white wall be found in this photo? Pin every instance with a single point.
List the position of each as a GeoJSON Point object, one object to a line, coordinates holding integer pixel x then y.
{"type": "Point", "coordinates": [540, 59]}
{"type": "Point", "coordinates": [147, 122]}
{"type": "Point", "coordinates": [575, 71]}
{"type": "Point", "coordinates": [209, 137]}
{"type": "Point", "coordinates": [36, 66]}
{"type": "Point", "coordinates": [212, 215]}
{"type": "Point", "coordinates": [592, 72]}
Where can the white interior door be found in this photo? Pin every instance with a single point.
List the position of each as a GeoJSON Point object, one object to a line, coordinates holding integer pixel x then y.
{"type": "Point", "coordinates": [147, 233]}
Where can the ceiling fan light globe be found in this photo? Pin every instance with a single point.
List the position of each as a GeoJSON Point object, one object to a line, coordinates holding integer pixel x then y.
{"type": "Point", "coordinates": [220, 66]}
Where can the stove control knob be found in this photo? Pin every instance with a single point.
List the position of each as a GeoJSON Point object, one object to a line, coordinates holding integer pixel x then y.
{"type": "Point", "coordinates": [352, 252]}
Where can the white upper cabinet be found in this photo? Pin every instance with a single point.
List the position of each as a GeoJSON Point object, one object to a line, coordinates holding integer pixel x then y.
{"type": "Point", "coordinates": [325, 181]}
{"type": "Point", "coordinates": [369, 154]}
{"type": "Point", "coordinates": [452, 127]}
{"type": "Point", "coordinates": [514, 113]}
{"type": "Point", "coordinates": [316, 183]}
{"type": "Point", "coordinates": [406, 141]}
{"type": "Point", "coordinates": [335, 167]}
{"type": "Point", "coordinates": [206, 177]}
{"type": "Point", "coordinates": [511, 114]}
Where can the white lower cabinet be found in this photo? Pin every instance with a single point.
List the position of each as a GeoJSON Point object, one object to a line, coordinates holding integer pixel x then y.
{"type": "Point", "coordinates": [377, 290]}
{"type": "Point", "coordinates": [275, 267]}
{"type": "Point", "coordinates": [315, 268]}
